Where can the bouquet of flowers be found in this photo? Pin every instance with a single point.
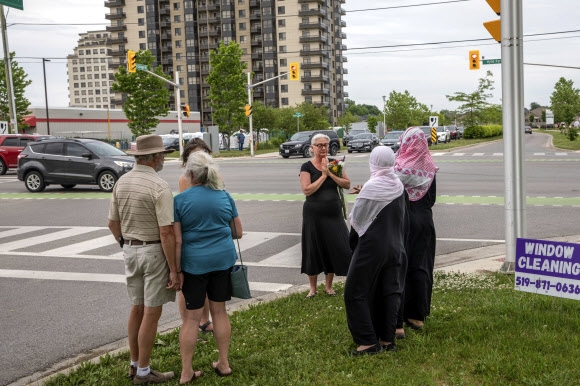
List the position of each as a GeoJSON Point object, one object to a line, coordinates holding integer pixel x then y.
{"type": "Point", "coordinates": [336, 166]}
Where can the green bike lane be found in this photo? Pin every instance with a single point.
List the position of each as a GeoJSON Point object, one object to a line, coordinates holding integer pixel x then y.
{"type": "Point", "coordinates": [442, 199]}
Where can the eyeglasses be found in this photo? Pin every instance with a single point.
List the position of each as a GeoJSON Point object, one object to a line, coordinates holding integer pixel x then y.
{"type": "Point", "coordinates": [321, 145]}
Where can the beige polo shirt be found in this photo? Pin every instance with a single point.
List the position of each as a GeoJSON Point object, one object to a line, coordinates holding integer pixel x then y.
{"type": "Point", "coordinates": [142, 201]}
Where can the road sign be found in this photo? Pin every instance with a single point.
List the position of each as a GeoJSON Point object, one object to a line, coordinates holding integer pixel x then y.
{"type": "Point", "coordinates": [142, 67]}
{"type": "Point", "coordinates": [13, 3]}
{"type": "Point", "coordinates": [549, 117]}
{"type": "Point", "coordinates": [3, 127]}
{"type": "Point", "coordinates": [491, 61]}
{"type": "Point", "coordinates": [298, 115]}
{"type": "Point", "coordinates": [433, 135]}
{"type": "Point", "coordinates": [434, 121]}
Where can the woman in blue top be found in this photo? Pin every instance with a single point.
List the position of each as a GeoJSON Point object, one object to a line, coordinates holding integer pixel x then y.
{"type": "Point", "coordinates": [206, 253]}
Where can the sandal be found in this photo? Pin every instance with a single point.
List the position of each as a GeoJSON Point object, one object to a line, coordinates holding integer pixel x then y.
{"type": "Point", "coordinates": [193, 378]}
{"type": "Point", "coordinates": [203, 327]}
{"type": "Point", "coordinates": [214, 365]}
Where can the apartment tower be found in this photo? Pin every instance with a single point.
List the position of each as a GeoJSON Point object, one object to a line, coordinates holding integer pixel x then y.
{"type": "Point", "coordinates": [272, 34]}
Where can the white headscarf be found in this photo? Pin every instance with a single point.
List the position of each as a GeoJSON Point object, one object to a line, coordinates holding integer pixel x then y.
{"type": "Point", "coordinates": [379, 191]}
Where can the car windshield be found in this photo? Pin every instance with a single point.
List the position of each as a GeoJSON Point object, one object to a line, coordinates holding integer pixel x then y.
{"type": "Point", "coordinates": [440, 129]}
{"type": "Point", "coordinates": [300, 137]}
{"type": "Point", "coordinates": [102, 148]}
{"type": "Point", "coordinates": [393, 135]}
{"type": "Point", "coordinates": [363, 136]}
{"type": "Point", "coordinates": [355, 132]}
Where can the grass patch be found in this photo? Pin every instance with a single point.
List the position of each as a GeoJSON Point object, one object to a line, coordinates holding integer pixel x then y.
{"type": "Point", "coordinates": [561, 140]}
{"type": "Point", "coordinates": [462, 142]}
{"type": "Point", "coordinates": [480, 332]}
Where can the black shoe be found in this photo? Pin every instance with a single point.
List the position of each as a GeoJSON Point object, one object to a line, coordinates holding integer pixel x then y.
{"type": "Point", "coordinates": [390, 347]}
{"type": "Point", "coordinates": [374, 349]}
{"type": "Point", "coordinates": [413, 326]}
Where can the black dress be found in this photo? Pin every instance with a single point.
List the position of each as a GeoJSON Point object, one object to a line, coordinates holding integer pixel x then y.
{"type": "Point", "coordinates": [420, 247]}
{"type": "Point", "coordinates": [325, 245]}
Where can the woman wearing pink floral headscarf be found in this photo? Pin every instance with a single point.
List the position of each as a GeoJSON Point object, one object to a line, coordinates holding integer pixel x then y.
{"type": "Point", "coordinates": [416, 170]}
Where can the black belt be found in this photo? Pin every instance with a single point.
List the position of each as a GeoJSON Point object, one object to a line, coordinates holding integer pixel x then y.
{"type": "Point", "coordinates": [139, 242]}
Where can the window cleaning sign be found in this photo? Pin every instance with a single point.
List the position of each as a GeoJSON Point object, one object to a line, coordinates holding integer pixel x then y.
{"type": "Point", "coordinates": [548, 268]}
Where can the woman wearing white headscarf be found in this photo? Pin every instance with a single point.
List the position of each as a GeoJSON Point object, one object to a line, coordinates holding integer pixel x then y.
{"type": "Point", "coordinates": [375, 279]}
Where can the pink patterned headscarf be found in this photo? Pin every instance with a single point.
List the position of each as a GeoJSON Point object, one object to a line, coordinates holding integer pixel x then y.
{"type": "Point", "coordinates": [414, 165]}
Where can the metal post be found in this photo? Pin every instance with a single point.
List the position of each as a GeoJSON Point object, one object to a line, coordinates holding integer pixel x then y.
{"type": "Point", "coordinates": [9, 83]}
{"type": "Point", "coordinates": [513, 123]}
{"type": "Point", "coordinates": [250, 117]}
{"type": "Point", "coordinates": [178, 108]}
{"type": "Point", "coordinates": [46, 95]}
{"type": "Point", "coordinates": [384, 116]}
{"type": "Point", "coordinates": [298, 123]}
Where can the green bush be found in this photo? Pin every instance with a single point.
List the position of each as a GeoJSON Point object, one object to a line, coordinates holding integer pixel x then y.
{"type": "Point", "coordinates": [488, 131]}
{"type": "Point", "coordinates": [276, 141]}
{"type": "Point", "coordinates": [267, 145]}
{"type": "Point", "coordinates": [572, 133]}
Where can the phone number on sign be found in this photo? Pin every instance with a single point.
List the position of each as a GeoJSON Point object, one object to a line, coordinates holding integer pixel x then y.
{"type": "Point", "coordinates": [547, 284]}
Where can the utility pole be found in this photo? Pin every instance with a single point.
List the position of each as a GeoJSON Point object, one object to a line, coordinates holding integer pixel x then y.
{"type": "Point", "coordinates": [46, 95]}
{"type": "Point", "coordinates": [9, 84]}
{"type": "Point", "coordinates": [384, 116]}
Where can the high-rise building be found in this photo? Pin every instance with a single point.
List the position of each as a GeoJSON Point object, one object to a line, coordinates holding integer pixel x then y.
{"type": "Point", "coordinates": [89, 74]}
{"type": "Point", "coordinates": [272, 34]}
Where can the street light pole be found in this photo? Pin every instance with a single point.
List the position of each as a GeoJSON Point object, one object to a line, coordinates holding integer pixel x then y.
{"type": "Point", "coordinates": [384, 117]}
{"type": "Point", "coordinates": [46, 95]}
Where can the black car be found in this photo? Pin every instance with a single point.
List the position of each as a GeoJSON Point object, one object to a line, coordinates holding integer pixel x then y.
{"type": "Point", "coordinates": [171, 142]}
{"type": "Point", "coordinates": [69, 162]}
{"type": "Point", "coordinates": [427, 131]}
{"type": "Point", "coordinates": [348, 137]}
{"type": "Point", "coordinates": [299, 143]}
{"type": "Point", "coordinates": [393, 140]}
{"type": "Point", "coordinates": [363, 142]}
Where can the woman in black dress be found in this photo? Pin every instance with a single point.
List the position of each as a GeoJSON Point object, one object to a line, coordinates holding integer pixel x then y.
{"type": "Point", "coordinates": [416, 169]}
{"type": "Point", "coordinates": [375, 280]}
{"type": "Point", "coordinates": [325, 245]}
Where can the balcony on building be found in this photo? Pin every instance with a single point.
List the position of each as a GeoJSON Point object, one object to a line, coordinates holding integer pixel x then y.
{"type": "Point", "coordinates": [118, 101]}
{"type": "Point", "coordinates": [315, 78]}
{"type": "Point", "coordinates": [166, 49]}
{"type": "Point", "coordinates": [214, 20]}
{"type": "Point", "coordinates": [213, 7]}
{"type": "Point", "coordinates": [313, 39]}
{"type": "Point", "coordinates": [316, 91]}
{"type": "Point", "coordinates": [256, 28]}
{"type": "Point", "coordinates": [314, 65]}
{"type": "Point", "coordinates": [165, 11]}
{"type": "Point", "coordinates": [215, 32]}
{"type": "Point", "coordinates": [114, 3]}
{"type": "Point", "coordinates": [312, 12]}
{"type": "Point", "coordinates": [257, 41]}
{"type": "Point", "coordinates": [167, 61]}
{"type": "Point", "coordinates": [255, 16]}
{"type": "Point", "coordinates": [342, 11]}
{"type": "Point", "coordinates": [165, 24]}
{"type": "Point", "coordinates": [254, 3]}
{"type": "Point", "coordinates": [113, 66]}
{"type": "Point", "coordinates": [313, 25]}
{"type": "Point", "coordinates": [257, 68]}
{"type": "Point", "coordinates": [115, 16]}
{"type": "Point", "coordinates": [345, 82]}
{"type": "Point", "coordinates": [321, 2]}
{"type": "Point", "coordinates": [166, 36]}
{"type": "Point", "coordinates": [321, 104]}
{"type": "Point", "coordinates": [313, 52]}
{"type": "Point", "coordinates": [343, 23]}
{"type": "Point", "coordinates": [342, 35]}
{"type": "Point", "coordinates": [345, 94]}
{"type": "Point", "coordinates": [257, 55]}
{"type": "Point", "coordinates": [117, 40]}
{"type": "Point", "coordinates": [345, 70]}
{"type": "Point", "coordinates": [258, 93]}
{"type": "Point", "coordinates": [117, 52]}
{"type": "Point", "coordinates": [344, 59]}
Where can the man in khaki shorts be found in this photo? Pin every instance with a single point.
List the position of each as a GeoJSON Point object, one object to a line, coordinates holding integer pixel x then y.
{"type": "Point", "coordinates": [141, 219]}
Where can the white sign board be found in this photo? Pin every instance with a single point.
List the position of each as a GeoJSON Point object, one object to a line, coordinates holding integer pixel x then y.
{"type": "Point", "coordinates": [3, 127]}
{"type": "Point", "coordinates": [434, 121]}
{"type": "Point", "coordinates": [549, 117]}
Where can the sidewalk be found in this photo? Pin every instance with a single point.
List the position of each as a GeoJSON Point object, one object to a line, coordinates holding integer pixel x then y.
{"type": "Point", "coordinates": [478, 260]}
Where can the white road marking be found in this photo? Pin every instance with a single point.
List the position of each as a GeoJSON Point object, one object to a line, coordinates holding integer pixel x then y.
{"type": "Point", "coordinates": [478, 154]}
{"type": "Point", "coordinates": [81, 247]}
{"type": "Point", "coordinates": [458, 154]}
{"type": "Point", "coordinates": [46, 238]}
{"type": "Point", "coordinates": [437, 154]}
{"type": "Point", "coordinates": [539, 153]}
{"type": "Point", "coordinates": [561, 153]}
{"type": "Point", "coordinates": [498, 154]}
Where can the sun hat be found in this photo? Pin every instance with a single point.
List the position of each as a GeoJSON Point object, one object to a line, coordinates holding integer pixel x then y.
{"type": "Point", "coordinates": [149, 144]}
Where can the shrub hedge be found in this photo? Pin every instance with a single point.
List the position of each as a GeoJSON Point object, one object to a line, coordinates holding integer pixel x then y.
{"type": "Point", "coordinates": [487, 131]}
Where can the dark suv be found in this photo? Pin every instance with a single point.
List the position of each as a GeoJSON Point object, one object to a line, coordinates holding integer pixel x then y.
{"type": "Point", "coordinates": [348, 137]}
{"type": "Point", "coordinates": [69, 162]}
{"type": "Point", "coordinates": [299, 143]}
{"type": "Point", "coordinates": [11, 145]}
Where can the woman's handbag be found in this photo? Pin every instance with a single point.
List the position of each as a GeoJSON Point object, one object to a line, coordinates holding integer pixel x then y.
{"type": "Point", "coordinates": [239, 277]}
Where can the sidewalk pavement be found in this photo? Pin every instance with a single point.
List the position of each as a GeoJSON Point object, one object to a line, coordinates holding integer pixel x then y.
{"type": "Point", "coordinates": [481, 260]}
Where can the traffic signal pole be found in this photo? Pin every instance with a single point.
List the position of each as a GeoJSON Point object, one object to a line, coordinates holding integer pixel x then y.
{"type": "Point", "coordinates": [13, 118]}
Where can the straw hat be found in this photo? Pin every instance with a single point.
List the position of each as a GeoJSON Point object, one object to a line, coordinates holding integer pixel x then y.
{"type": "Point", "coordinates": [149, 144]}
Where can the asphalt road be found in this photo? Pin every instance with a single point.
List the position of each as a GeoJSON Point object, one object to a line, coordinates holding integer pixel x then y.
{"type": "Point", "coordinates": [61, 288]}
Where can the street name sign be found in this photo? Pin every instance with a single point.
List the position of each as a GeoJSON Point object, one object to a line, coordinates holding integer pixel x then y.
{"type": "Point", "coordinates": [491, 61]}
{"type": "Point", "coordinates": [298, 115]}
{"type": "Point", "coordinates": [142, 67]}
{"type": "Point", "coordinates": [13, 3]}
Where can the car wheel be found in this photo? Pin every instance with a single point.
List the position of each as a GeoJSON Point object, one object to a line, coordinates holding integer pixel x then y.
{"type": "Point", "coordinates": [107, 181]}
{"type": "Point", "coordinates": [285, 156]}
{"type": "Point", "coordinates": [68, 186]}
{"type": "Point", "coordinates": [350, 151]}
{"type": "Point", "coordinates": [3, 168]}
{"type": "Point", "coordinates": [333, 149]}
{"type": "Point", "coordinates": [34, 182]}
{"type": "Point", "coordinates": [306, 153]}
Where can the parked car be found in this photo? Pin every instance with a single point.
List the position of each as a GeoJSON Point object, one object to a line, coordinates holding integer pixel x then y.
{"type": "Point", "coordinates": [69, 162]}
{"type": "Point", "coordinates": [299, 143]}
{"type": "Point", "coordinates": [171, 142]}
{"type": "Point", "coordinates": [11, 145]}
{"type": "Point", "coordinates": [443, 134]}
{"type": "Point", "coordinates": [460, 130]}
{"type": "Point", "coordinates": [348, 137]}
{"type": "Point", "coordinates": [363, 142]}
{"type": "Point", "coordinates": [427, 131]}
{"type": "Point", "coordinates": [454, 132]}
{"type": "Point", "coordinates": [527, 130]}
{"type": "Point", "coordinates": [392, 139]}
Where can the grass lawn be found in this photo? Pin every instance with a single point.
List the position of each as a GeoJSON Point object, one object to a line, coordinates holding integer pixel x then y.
{"type": "Point", "coordinates": [480, 332]}
{"type": "Point", "coordinates": [560, 140]}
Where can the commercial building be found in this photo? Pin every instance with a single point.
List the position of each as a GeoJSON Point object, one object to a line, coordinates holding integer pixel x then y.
{"type": "Point", "coordinates": [272, 34]}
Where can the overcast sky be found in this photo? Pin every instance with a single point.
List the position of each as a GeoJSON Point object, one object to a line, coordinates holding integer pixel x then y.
{"type": "Point", "coordinates": [428, 72]}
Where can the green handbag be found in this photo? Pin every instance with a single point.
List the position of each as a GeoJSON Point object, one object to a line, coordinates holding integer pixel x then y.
{"type": "Point", "coordinates": [239, 277]}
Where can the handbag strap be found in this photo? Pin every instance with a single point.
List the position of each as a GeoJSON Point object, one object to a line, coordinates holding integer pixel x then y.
{"type": "Point", "coordinates": [238, 241]}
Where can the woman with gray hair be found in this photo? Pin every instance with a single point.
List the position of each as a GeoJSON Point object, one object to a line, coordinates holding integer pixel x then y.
{"type": "Point", "coordinates": [325, 245]}
{"type": "Point", "coordinates": [205, 254]}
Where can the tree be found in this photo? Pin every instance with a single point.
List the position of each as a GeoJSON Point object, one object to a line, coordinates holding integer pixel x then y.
{"type": "Point", "coordinates": [474, 103]}
{"type": "Point", "coordinates": [361, 110]}
{"type": "Point", "coordinates": [492, 114]}
{"type": "Point", "coordinates": [534, 105]}
{"type": "Point", "coordinates": [20, 82]}
{"type": "Point", "coordinates": [227, 91]}
{"type": "Point", "coordinates": [347, 120]}
{"type": "Point", "coordinates": [314, 118]}
{"type": "Point", "coordinates": [401, 109]}
{"type": "Point", "coordinates": [147, 96]}
{"type": "Point", "coordinates": [565, 101]}
{"type": "Point", "coordinates": [263, 117]}
{"type": "Point", "coordinates": [372, 123]}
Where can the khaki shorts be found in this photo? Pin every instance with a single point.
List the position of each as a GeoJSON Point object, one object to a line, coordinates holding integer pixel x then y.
{"type": "Point", "coordinates": [147, 275]}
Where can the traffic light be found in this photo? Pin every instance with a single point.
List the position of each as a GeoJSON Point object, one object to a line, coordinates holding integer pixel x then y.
{"type": "Point", "coordinates": [494, 26]}
{"type": "Point", "coordinates": [131, 61]}
{"type": "Point", "coordinates": [294, 71]}
{"type": "Point", "coordinates": [474, 62]}
{"type": "Point", "coordinates": [248, 110]}
{"type": "Point", "coordinates": [185, 111]}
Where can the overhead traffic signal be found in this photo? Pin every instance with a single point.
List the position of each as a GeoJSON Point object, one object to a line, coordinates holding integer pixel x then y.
{"type": "Point", "coordinates": [474, 60]}
{"type": "Point", "coordinates": [294, 71]}
{"type": "Point", "coordinates": [185, 111]}
{"type": "Point", "coordinates": [248, 110]}
{"type": "Point", "coordinates": [494, 26]}
{"type": "Point", "coordinates": [131, 61]}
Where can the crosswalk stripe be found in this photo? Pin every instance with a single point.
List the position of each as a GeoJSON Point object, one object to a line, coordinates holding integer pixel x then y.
{"type": "Point", "coordinates": [478, 154]}
{"type": "Point", "coordinates": [458, 154]}
{"type": "Point", "coordinates": [82, 246]}
{"type": "Point", "coordinates": [46, 238]}
{"type": "Point", "coordinates": [539, 153]}
{"type": "Point", "coordinates": [12, 231]}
